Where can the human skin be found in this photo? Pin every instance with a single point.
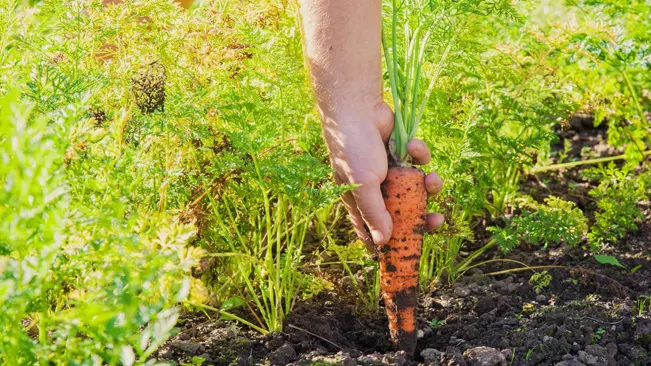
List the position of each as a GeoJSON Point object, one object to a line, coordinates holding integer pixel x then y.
{"type": "Point", "coordinates": [343, 48]}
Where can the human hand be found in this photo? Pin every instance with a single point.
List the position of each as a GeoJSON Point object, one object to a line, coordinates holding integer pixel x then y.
{"type": "Point", "coordinates": [357, 145]}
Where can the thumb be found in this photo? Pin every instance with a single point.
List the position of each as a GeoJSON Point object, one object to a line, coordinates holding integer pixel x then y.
{"type": "Point", "coordinates": [370, 203]}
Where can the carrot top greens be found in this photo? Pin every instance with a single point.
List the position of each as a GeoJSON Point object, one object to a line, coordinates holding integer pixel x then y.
{"type": "Point", "coordinates": [405, 69]}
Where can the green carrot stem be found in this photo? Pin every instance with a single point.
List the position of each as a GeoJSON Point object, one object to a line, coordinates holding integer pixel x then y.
{"type": "Point", "coordinates": [398, 132]}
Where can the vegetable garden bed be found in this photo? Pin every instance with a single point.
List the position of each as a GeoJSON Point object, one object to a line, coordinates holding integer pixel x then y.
{"type": "Point", "coordinates": [165, 192]}
{"type": "Point", "coordinates": [588, 313]}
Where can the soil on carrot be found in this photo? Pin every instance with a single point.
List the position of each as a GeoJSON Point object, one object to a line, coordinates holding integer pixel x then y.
{"type": "Point", "coordinates": [586, 313]}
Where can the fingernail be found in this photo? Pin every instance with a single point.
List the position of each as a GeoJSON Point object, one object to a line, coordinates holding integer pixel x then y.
{"type": "Point", "coordinates": [377, 235]}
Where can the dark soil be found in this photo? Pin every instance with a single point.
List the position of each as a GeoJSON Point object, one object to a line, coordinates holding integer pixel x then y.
{"type": "Point", "coordinates": [588, 314]}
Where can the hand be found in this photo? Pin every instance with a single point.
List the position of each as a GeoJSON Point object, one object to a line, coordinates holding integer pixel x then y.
{"type": "Point", "coordinates": [357, 144]}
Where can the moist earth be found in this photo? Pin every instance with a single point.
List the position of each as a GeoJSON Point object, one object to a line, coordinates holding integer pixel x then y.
{"type": "Point", "coordinates": [588, 314]}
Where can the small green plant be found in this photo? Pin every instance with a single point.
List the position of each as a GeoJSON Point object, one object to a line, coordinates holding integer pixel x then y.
{"type": "Point", "coordinates": [441, 250]}
{"type": "Point", "coordinates": [268, 258]}
{"type": "Point", "coordinates": [617, 197]}
{"type": "Point", "coordinates": [642, 305]}
{"type": "Point", "coordinates": [540, 280]}
{"type": "Point", "coordinates": [435, 323]}
{"type": "Point", "coordinates": [196, 361]}
{"type": "Point", "coordinates": [530, 351]}
{"type": "Point", "coordinates": [596, 336]}
{"type": "Point", "coordinates": [555, 222]}
{"type": "Point", "coordinates": [85, 274]}
{"type": "Point", "coordinates": [573, 281]}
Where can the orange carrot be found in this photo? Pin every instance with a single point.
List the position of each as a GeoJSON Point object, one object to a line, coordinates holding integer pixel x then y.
{"type": "Point", "coordinates": [405, 198]}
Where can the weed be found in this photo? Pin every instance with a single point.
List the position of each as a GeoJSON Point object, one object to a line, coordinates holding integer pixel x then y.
{"type": "Point", "coordinates": [609, 260]}
{"type": "Point", "coordinates": [540, 280]}
{"type": "Point", "coordinates": [528, 308]}
{"type": "Point", "coordinates": [596, 336]}
{"type": "Point", "coordinates": [642, 305]}
{"type": "Point", "coordinates": [617, 195]}
{"type": "Point", "coordinates": [196, 361]}
{"type": "Point", "coordinates": [435, 323]}
{"type": "Point", "coordinates": [104, 266]}
{"type": "Point", "coordinates": [555, 222]}
{"type": "Point", "coordinates": [573, 281]}
{"type": "Point", "coordinates": [531, 351]}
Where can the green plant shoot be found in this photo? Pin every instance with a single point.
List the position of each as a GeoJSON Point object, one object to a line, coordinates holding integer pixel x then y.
{"type": "Point", "coordinates": [405, 76]}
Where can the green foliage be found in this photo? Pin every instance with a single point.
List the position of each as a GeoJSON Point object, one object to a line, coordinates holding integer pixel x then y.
{"type": "Point", "coordinates": [103, 199]}
{"type": "Point", "coordinates": [555, 222]}
{"type": "Point", "coordinates": [196, 361]}
{"type": "Point", "coordinates": [596, 336]}
{"type": "Point", "coordinates": [540, 280]}
{"type": "Point", "coordinates": [642, 305]}
{"type": "Point", "coordinates": [441, 251]}
{"type": "Point", "coordinates": [435, 323]}
{"type": "Point", "coordinates": [624, 49]}
{"type": "Point", "coordinates": [114, 184]}
{"type": "Point", "coordinates": [617, 195]}
{"type": "Point", "coordinates": [607, 59]}
{"type": "Point", "coordinates": [267, 249]}
{"type": "Point", "coordinates": [608, 259]}
{"type": "Point", "coordinates": [510, 81]}
{"type": "Point", "coordinates": [414, 22]}
{"type": "Point", "coordinates": [368, 286]}
{"type": "Point", "coordinates": [490, 117]}
{"type": "Point", "coordinates": [75, 269]}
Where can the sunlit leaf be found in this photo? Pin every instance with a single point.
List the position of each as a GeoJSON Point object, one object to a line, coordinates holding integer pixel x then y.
{"type": "Point", "coordinates": [608, 259]}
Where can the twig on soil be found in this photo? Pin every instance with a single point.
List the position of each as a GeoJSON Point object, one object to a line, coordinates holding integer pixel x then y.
{"type": "Point", "coordinates": [524, 269]}
{"type": "Point", "coordinates": [229, 315]}
{"type": "Point", "coordinates": [315, 335]}
{"type": "Point", "coordinates": [599, 321]}
{"type": "Point", "coordinates": [584, 162]}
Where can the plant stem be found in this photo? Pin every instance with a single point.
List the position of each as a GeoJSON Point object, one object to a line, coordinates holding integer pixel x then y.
{"type": "Point", "coordinates": [523, 269]}
{"type": "Point", "coordinates": [398, 131]}
{"type": "Point", "coordinates": [463, 266]}
{"type": "Point", "coordinates": [227, 314]}
{"type": "Point", "coordinates": [582, 162]}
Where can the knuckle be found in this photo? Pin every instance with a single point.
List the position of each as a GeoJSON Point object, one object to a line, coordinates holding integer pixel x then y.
{"type": "Point", "coordinates": [368, 214]}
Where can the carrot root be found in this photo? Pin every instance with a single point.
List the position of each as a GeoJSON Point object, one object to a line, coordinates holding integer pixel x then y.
{"type": "Point", "coordinates": [405, 198]}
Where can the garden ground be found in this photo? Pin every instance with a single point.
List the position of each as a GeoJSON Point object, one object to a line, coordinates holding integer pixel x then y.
{"type": "Point", "coordinates": [586, 313]}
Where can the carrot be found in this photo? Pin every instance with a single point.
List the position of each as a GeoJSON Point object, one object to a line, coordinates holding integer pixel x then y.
{"type": "Point", "coordinates": [404, 190]}
{"type": "Point", "coordinates": [405, 198]}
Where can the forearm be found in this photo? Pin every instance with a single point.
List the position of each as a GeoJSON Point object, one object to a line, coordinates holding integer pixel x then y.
{"type": "Point", "coordinates": [343, 45]}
